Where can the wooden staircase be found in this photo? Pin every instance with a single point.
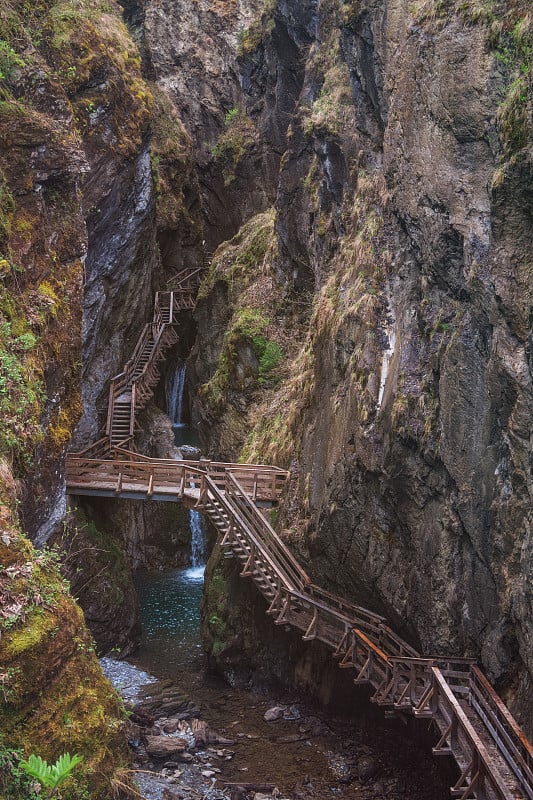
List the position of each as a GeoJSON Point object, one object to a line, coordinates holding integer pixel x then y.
{"type": "Point", "coordinates": [493, 756]}
{"type": "Point", "coordinates": [133, 387]}
{"type": "Point", "coordinates": [185, 284]}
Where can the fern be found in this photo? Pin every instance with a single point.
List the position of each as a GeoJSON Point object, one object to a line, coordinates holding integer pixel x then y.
{"type": "Point", "coordinates": [50, 776]}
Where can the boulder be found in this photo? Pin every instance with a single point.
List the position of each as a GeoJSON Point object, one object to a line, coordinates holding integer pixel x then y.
{"type": "Point", "coordinates": [274, 713]}
{"type": "Point", "coordinates": [165, 746]}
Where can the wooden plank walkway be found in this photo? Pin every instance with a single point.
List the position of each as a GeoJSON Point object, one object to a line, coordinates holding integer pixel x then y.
{"type": "Point", "coordinates": [493, 756]}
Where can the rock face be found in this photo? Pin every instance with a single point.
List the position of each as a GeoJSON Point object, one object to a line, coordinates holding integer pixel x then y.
{"type": "Point", "coordinates": [401, 266]}
{"type": "Point", "coordinates": [77, 206]}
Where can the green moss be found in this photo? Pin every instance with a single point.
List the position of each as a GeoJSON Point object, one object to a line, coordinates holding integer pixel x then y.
{"type": "Point", "coordinates": [215, 612]}
{"type": "Point", "coordinates": [238, 261]}
{"type": "Point", "coordinates": [55, 697]}
{"type": "Point", "coordinates": [237, 139]}
{"type": "Point", "coordinates": [21, 384]}
{"type": "Point", "coordinates": [7, 207]}
{"type": "Point", "coordinates": [247, 325]}
{"type": "Point", "coordinates": [9, 60]}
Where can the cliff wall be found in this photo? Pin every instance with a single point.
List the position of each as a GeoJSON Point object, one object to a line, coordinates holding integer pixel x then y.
{"type": "Point", "coordinates": [393, 297]}
{"type": "Point", "coordinates": [78, 209]}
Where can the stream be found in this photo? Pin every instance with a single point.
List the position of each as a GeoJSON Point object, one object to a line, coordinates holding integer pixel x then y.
{"type": "Point", "coordinates": [305, 752]}
{"type": "Point", "coordinates": [170, 617]}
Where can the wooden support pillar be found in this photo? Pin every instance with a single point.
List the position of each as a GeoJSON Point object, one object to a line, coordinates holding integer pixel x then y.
{"type": "Point", "coordinates": [274, 605]}
{"type": "Point", "coordinates": [281, 619]}
{"type": "Point", "coordinates": [204, 492]}
{"type": "Point", "coordinates": [227, 539]}
{"type": "Point", "coordinates": [248, 569]}
{"type": "Point", "coordinates": [311, 630]}
{"type": "Point", "coordinates": [254, 492]}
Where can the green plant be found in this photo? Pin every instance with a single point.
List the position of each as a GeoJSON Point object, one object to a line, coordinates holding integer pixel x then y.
{"type": "Point", "coordinates": [50, 776]}
{"type": "Point", "coordinates": [15, 783]}
{"type": "Point", "coordinates": [231, 115]}
{"type": "Point", "coordinates": [234, 142]}
{"type": "Point", "coordinates": [270, 355]}
{"type": "Point", "coordinates": [9, 60]}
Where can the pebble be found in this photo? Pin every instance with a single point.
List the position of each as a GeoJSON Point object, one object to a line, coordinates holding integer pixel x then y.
{"type": "Point", "coordinates": [292, 713]}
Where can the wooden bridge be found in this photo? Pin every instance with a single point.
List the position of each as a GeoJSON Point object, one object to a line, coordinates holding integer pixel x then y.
{"type": "Point", "coordinates": [493, 756]}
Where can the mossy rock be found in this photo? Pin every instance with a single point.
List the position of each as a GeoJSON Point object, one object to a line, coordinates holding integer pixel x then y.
{"type": "Point", "coordinates": [55, 697]}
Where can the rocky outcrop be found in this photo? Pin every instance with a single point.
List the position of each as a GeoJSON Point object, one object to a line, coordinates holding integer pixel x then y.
{"type": "Point", "coordinates": [401, 264]}
{"type": "Point", "coordinates": [54, 696]}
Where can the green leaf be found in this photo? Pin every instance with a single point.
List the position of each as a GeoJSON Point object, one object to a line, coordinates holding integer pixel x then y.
{"type": "Point", "coordinates": [63, 767]}
{"type": "Point", "coordinates": [37, 768]}
{"type": "Point", "coordinates": [50, 776]}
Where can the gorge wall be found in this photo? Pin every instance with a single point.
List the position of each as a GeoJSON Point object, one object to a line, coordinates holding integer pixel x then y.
{"type": "Point", "coordinates": [372, 328]}
{"type": "Point", "coordinates": [363, 170]}
{"type": "Point", "coordinates": [77, 208]}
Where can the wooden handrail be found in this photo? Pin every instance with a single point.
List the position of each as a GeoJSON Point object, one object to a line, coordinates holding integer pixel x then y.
{"type": "Point", "coordinates": [433, 687]}
{"type": "Point", "coordinates": [155, 336]}
{"type": "Point", "coordinates": [457, 716]}
{"type": "Point", "coordinates": [269, 536]}
{"type": "Point", "coordinates": [512, 741]}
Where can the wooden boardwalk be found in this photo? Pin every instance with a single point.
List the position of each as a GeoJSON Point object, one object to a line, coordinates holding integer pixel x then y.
{"type": "Point", "coordinates": [493, 756]}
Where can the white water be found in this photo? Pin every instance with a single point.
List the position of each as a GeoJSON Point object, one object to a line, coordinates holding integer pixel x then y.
{"type": "Point", "coordinates": [175, 390]}
{"type": "Point", "coordinates": [388, 353]}
{"type": "Point", "coordinates": [175, 386]}
{"type": "Point", "coordinates": [196, 524]}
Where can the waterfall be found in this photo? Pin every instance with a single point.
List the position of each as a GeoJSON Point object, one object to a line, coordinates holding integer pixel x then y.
{"type": "Point", "coordinates": [175, 385]}
{"type": "Point", "coordinates": [196, 524]}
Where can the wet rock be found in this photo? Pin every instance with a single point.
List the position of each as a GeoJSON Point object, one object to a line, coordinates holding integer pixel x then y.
{"type": "Point", "coordinates": [142, 716]}
{"type": "Point", "coordinates": [274, 713]}
{"type": "Point", "coordinates": [292, 737]}
{"type": "Point", "coordinates": [188, 452]}
{"type": "Point", "coordinates": [292, 713]}
{"type": "Point", "coordinates": [171, 726]}
{"type": "Point", "coordinates": [165, 746]}
{"type": "Point", "coordinates": [367, 767]}
{"type": "Point", "coordinates": [204, 735]}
